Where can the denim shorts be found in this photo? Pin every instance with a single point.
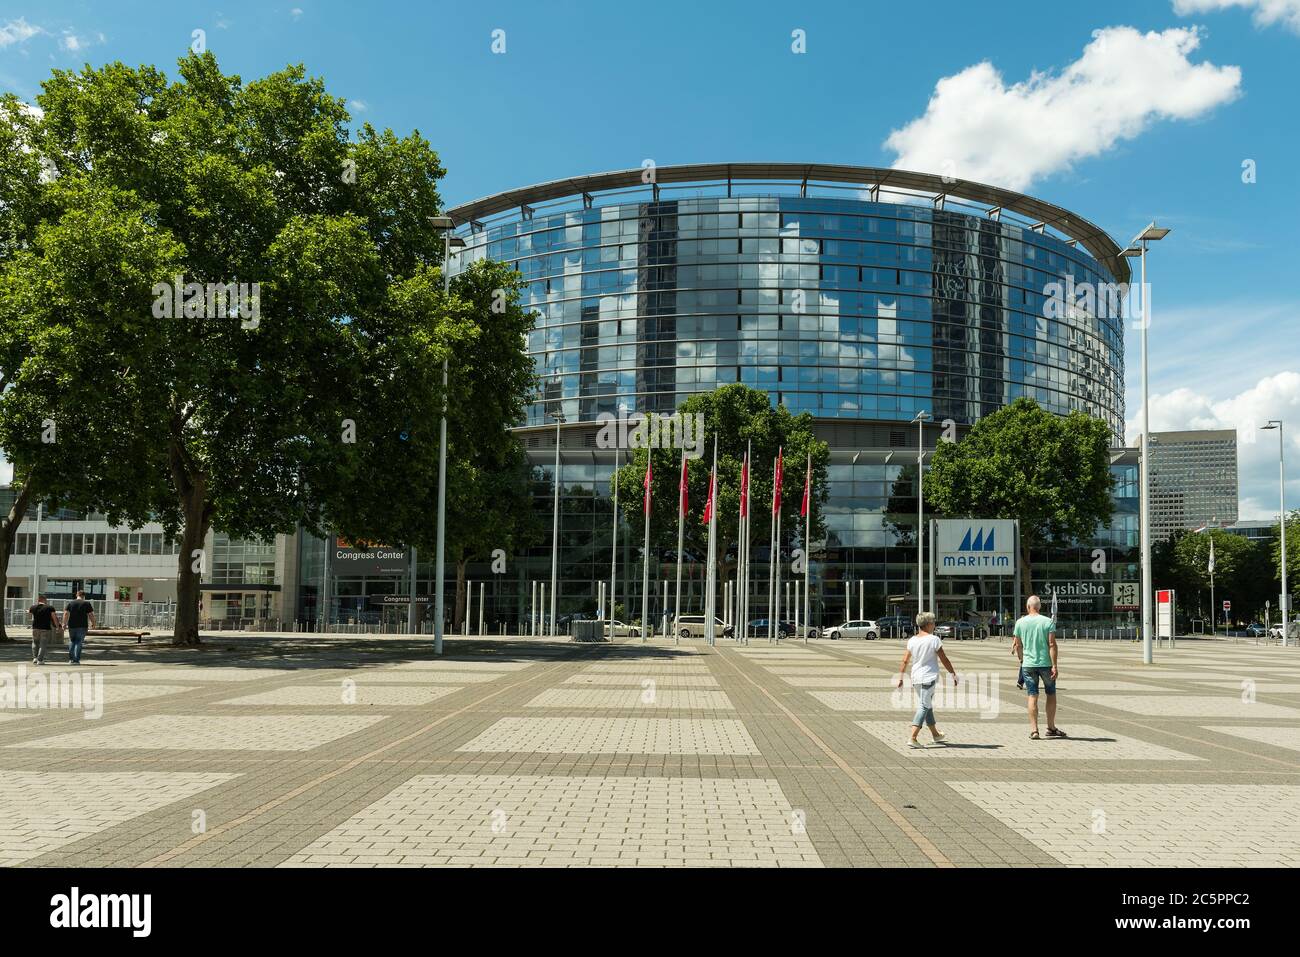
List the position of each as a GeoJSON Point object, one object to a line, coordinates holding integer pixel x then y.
{"type": "Point", "coordinates": [1032, 676]}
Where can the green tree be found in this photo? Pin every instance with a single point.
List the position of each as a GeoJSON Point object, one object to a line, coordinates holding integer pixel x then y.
{"type": "Point", "coordinates": [1234, 562]}
{"type": "Point", "coordinates": [177, 202]}
{"type": "Point", "coordinates": [1049, 471]}
{"type": "Point", "coordinates": [737, 416]}
{"type": "Point", "coordinates": [1292, 555]}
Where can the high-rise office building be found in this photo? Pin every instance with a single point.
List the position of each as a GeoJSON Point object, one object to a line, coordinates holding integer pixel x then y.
{"type": "Point", "coordinates": [1193, 480]}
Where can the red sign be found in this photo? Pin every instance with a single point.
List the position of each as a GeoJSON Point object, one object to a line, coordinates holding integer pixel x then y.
{"type": "Point", "coordinates": [1162, 597]}
{"type": "Point", "coordinates": [1227, 605]}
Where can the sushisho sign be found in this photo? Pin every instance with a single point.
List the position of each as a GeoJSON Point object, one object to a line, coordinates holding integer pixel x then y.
{"type": "Point", "coordinates": [368, 558]}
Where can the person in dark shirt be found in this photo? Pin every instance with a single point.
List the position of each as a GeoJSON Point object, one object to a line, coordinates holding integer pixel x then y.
{"type": "Point", "coordinates": [44, 618]}
{"type": "Point", "coordinates": [78, 618]}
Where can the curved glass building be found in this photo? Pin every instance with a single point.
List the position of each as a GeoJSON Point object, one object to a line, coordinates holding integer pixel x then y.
{"type": "Point", "coordinates": [862, 296]}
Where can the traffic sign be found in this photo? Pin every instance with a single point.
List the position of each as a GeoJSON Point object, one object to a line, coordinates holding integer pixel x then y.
{"type": "Point", "coordinates": [1227, 605]}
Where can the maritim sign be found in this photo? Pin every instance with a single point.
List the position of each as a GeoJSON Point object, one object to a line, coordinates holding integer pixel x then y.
{"type": "Point", "coordinates": [972, 547]}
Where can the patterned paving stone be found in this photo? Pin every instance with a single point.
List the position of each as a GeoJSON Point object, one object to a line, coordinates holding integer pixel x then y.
{"type": "Point", "coordinates": [848, 668]}
{"type": "Point", "coordinates": [1278, 737]}
{"type": "Point", "coordinates": [289, 732]}
{"type": "Point", "coordinates": [361, 694]}
{"type": "Point", "coordinates": [606, 679]}
{"type": "Point", "coordinates": [646, 668]}
{"type": "Point", "coordinates": [850, 680]}
{"type": "Point", "coordinates": [1086, 824]}
{"type": "Point", "coordinates": [41, 811]}
{"type": "Point", "coordinates": [653, 698]}
{"type": "Point", "coordinates": [463, 664]}
{"type": "Point", "coordinates": [205, 674]}
{"type": "Point", "coordinates": [1192, 706]}
{"type": "Point", "coordinates": [579, 821]}
{"type": "Point", "coordinates": [967, 701]}
{"type": "Point", "coordinates": [1005, 739]}
{"type": "Point", "coordinates": [615, 736]}
{"type": "Point", "coordinates": [413, 676]}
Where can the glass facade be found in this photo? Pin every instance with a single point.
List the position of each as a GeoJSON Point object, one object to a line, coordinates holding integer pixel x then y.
{"type": "Point", "coordinates": [859, 311]}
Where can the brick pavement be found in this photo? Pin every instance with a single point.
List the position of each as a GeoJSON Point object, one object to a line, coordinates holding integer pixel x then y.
{"type": "Point", "coordinates": [363, 752]}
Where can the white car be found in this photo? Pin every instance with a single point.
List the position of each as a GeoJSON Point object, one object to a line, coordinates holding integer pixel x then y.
{"type": "Point", "coordinates": [620, 630]}
{"type": "Point", "coordinates": [692, 626]}
{"type": "Point", "coordinates": [861, 628]}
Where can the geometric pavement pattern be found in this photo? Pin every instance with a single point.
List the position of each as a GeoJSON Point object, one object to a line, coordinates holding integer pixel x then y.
{"type": "Point", "coordinates": [309, 751]}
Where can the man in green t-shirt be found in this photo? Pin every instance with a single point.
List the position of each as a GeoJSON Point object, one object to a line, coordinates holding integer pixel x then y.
{"type": "Point", "coordinates": [1035, 645]}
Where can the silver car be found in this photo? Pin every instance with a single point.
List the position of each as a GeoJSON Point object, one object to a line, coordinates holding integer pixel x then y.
{"type": "Point", "coordinates": [860, 628]}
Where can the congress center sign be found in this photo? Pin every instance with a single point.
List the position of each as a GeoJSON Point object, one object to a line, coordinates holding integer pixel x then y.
{"type": "Point", "coordinates": [972, 547]}
{"type": "Point", "coordinates": [367, 558]}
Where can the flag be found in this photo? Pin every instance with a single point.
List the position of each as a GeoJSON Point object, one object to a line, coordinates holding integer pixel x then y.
{"type": "Point", "coordinates": [645, 504]}
{"type": "Point", "coordinates": [776, 483]}
{"type": "Point", "coordinates": [807, 484]}
{"type": "Point", "coordinates": [744, 487]}
{"type": "Point", "coordinates": [708, 506]}
{"type": "Point", "coordinates": [1211, 567]}
{"type": "Point", "coordinates": [684, 506]}
{"type": "Point", "coordinates": [1053, 608]}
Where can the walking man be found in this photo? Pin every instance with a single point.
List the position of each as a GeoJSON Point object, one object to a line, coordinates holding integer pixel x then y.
{"type": "Point", "coordinates": [1035, 645]}
{"type": "Point", "coordinates": [78, 617]}
{"type": "Point", "coordinates": [43, 618]}
{"type": "Point", "coordinates": [925, 651]}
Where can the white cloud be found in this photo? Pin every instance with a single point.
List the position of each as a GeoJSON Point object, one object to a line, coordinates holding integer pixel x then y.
{"type": "Point", "coordinates": [1273, 397]}
{"type": "Point", "coordinates": [1264, 13]}
{"type": "Point", "coordinates": [71, 42]}
{"type": "Point", "coordinates": [977, 127]}
{"type": "Point", "coordinates": [296, 12]}
{"type": "Point", "coordinates": [17, 31]}
{"type": "Point", "coordinates": [359, 105]}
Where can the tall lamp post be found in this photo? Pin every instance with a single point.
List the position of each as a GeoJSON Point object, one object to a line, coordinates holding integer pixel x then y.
{"type": "Point", "coordinates": [1281, 468]}
{"type": "Point", "coordinates": [919, 419]}
{"type": "Point", "coordinates": [449, 242]}
{"type": "Point", "coordinates": [1138, 249]}
{"type": "Point", "coordinates": [558, 416]}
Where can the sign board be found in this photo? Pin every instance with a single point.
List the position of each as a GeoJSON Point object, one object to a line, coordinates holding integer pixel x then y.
{"type": "Point", "coordinates": [974, 547]}
{"type": "Point", "coordinates": [367, 558]}
{"type": "Point", "coordinates": [1227, 605]}
{"type": "Point", "coordinates": [398, 599]}
{"type": "Point", "coordinates": [1077, 594]}
{"type": "Point", "coordinates": [1165, 613]}
{"type": "Point", "coordinates": [1127, 596]}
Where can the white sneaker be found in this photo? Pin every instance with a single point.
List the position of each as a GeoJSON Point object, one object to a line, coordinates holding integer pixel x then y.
{"type": "Point", "coordinates": [940, 737]}
{"type": "Point", "coordinates": [913, 743]}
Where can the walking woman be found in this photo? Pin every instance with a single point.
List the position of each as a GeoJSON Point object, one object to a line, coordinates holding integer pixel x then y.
{"type": "Point", "coordinates": [925, 651]}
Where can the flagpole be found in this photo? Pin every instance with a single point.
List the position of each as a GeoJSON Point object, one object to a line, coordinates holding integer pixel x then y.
{"type": "Point", "coordinates": [681, 529]}
{"type": "Point", "coordinates": [645, 554]}
{"type": "Point", "coordinates": [749, 517]}
{"type": "Point", "coordinates": [613, 552]}
{"type": "Point", "coordinates": [807, 548]}
{"type": "Point", "coordinates": [771, 559]}
{"type": "Point", "coordinates": [710, 575]}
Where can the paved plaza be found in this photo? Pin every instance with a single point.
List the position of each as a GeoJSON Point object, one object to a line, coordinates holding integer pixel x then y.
{"type": "Point", "coordinates": [362, 752]}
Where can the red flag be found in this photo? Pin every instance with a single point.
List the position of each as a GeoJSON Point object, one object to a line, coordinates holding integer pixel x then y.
{"type": "Point", "coordinates": [708, 506]}
{"type": "Point", "coordinates": [807, 485]}
{"type": "Point", "coordinates": [744, 488]}
{"type": "Point", "coordinates": [776, 482]}
{"type": "Point", "coordinates": [645, 505]}
{"type": "Point", "coordinates": [684, 505]}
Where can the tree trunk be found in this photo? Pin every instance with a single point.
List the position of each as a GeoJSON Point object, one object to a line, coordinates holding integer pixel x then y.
{"type": "Point", "coordinates": [190, 562]}
{"type": "Point", "coordinates": [8, 532]}
{"type": "Point", "coordinates": [1026, 575]}
{"type": "Point", "coordinates": [459, 610]}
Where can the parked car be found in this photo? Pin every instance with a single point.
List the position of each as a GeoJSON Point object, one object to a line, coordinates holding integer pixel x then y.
{"type": "Point", "coordinates": [758, 629]}
{"type": "Point", "coordinates": [621, 629]}
{"type": "Point", "coordinates": [1256, 630]}
{"type": "Point", "coordinates": [692, 626]}
{"type": "Point", "coordinates": [956, 629]}
{"type": "Point", "coordinates": [896, 626]}
{"type": "Point", "coordinates": [860, 628]}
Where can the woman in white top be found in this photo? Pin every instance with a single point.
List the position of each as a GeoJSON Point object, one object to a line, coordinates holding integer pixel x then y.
{"type": "Point", "coordinates": [925, 651]}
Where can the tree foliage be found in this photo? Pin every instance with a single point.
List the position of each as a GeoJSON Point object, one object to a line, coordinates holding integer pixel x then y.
{"type": "Point", "coordinates": [1049, 471]}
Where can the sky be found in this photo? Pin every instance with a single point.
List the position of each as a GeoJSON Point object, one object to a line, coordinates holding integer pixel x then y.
{"type": "Point", "coordinates": [1177, 111]}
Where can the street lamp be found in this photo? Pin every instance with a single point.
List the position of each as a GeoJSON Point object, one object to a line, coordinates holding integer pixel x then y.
{"type": "Point", "coordinates": [919, 419]}
{"type": "Point", "coordinates": [450, 242]}
{"type": "Point", "coordinates": [558, 416]}
{"type": "Point", "coordinates": [1281, 467]}
{"type": "Point", "coordinates": [1138, 249]}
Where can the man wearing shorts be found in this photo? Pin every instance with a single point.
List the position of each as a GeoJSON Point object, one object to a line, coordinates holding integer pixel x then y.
{"type": "Point", "coordinates": [1035, 645]}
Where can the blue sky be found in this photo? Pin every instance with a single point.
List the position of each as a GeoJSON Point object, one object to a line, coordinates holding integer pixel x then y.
{"type": "Point", "coordinates": [1123, 112]}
